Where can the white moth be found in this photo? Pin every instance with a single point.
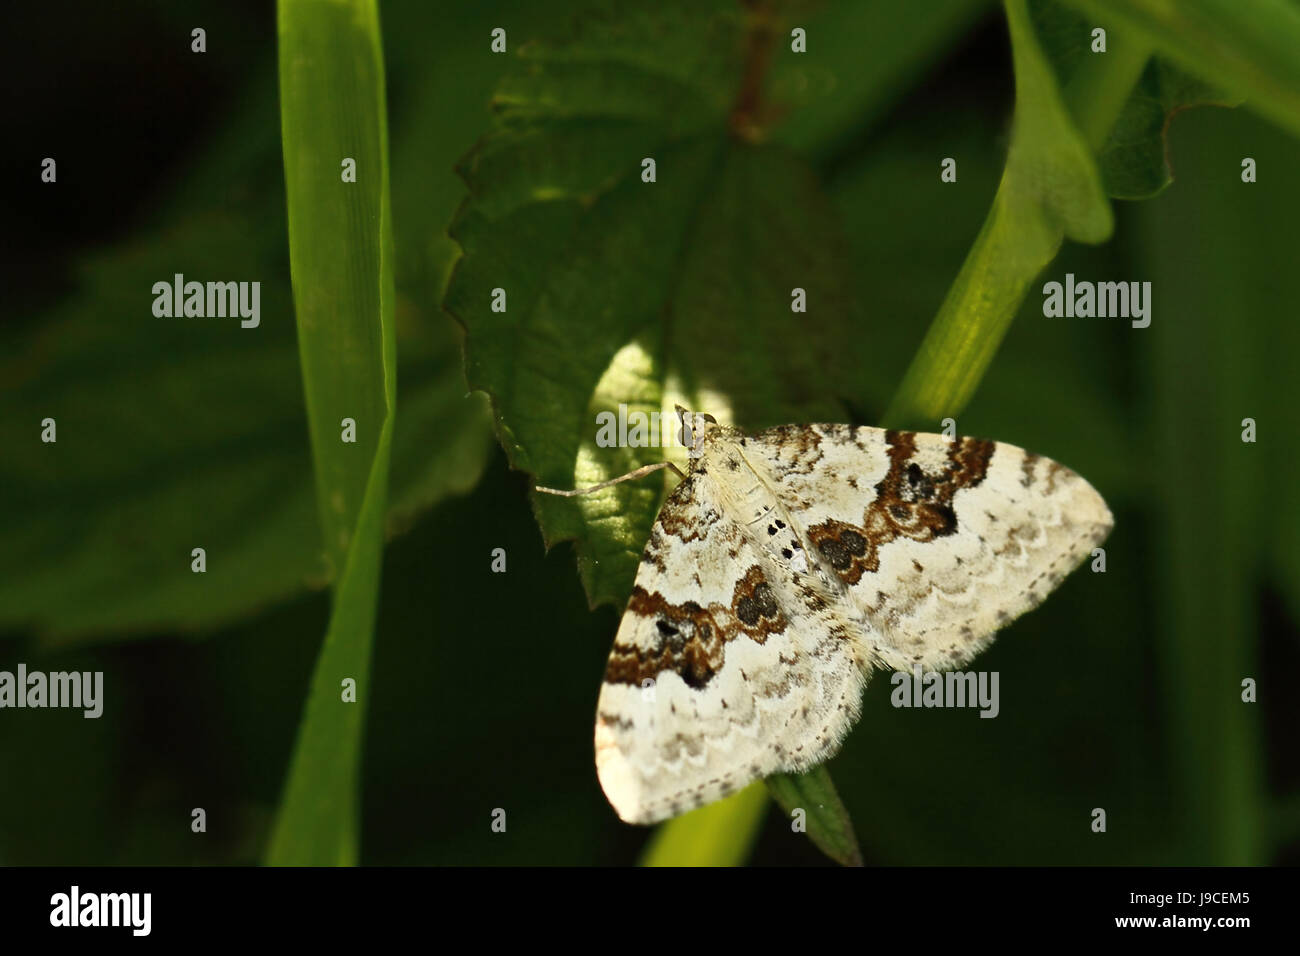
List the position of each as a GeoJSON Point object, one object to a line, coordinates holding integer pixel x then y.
{"type": "Point", "coordinates": [789, 564]}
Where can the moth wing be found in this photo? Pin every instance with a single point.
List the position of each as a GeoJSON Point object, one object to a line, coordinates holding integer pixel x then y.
{"type": "Point", "coordinates": [720, 672]}
{"type": "Point", "coordinates": [937, 542]}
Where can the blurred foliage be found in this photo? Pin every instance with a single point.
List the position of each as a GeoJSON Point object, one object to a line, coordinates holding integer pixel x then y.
{"type": "Point", "coordinates": [1123, 690]}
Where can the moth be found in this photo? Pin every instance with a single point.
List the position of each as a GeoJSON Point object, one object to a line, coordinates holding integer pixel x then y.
{"type": "Point", "coordinates": [789, 564]}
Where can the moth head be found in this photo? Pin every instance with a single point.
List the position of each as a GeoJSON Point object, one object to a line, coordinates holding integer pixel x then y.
{"type": "Point", "coordinates": [695, 430]}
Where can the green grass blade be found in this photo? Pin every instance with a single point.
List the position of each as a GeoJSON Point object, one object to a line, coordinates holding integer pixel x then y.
{"type": "Point", "coordinates": [341, 257]}
{"type": "Point", "coordinates": [720, 834]}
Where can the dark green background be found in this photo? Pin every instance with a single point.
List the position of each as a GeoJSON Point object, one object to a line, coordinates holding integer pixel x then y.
{"type": "Point", "coordinates": [1113, 693]}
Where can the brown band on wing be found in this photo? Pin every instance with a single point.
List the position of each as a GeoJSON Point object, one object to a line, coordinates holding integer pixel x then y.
{"type": "Point", "coordinates": [910, 503]}
{"type": "Point", "coordinates": [691, 640]}
{"type": "Point", "coordinates": [688, 641]}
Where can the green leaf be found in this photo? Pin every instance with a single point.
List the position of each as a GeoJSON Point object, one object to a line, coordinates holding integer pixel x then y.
{"type": "Point", "coordinates": [620, 291]}
{"type": "Point", "coordinates": [1050, 190]}
{"type": "Point", "coordinates": [1247, 47]}
{"type": "Point", "coordinates": [341, 255]}
{"type": "Point", "coordinates": [719, 834]}
{"type": "Point", "coordinates": [1134, 162]}
{"type": "Point", "coordinates": [827, 818]}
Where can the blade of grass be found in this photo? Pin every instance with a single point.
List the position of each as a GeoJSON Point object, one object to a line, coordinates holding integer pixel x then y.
{"type": "Point", "coordinates": [341, 258]}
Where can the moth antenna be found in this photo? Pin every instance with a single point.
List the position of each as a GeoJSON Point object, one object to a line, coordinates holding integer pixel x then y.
{"type": "Point", "coordinates": [630, 476]}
